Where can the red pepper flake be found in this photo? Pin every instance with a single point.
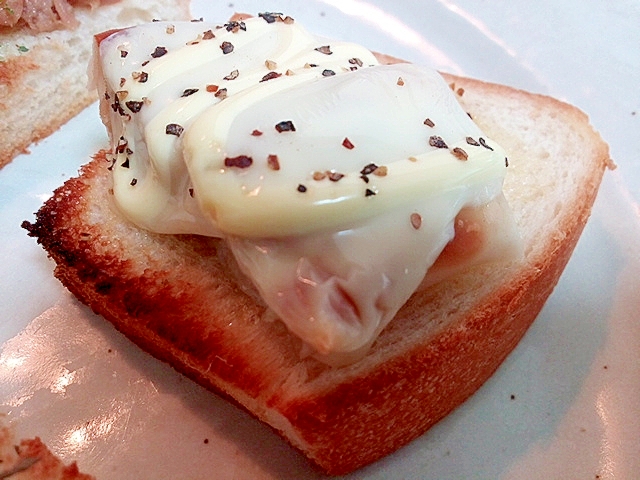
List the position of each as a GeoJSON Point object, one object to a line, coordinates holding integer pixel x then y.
{"type": "Point", "coordinates": [273, 163]}
{"type": "Point", "coordinates": [141, 77]}
{"type": "Point", "coordinates": [189, 91]}
{"type": "Point", "coordinates": [370, 168]}
{"type": "Point", "coordinates": [133, 182]}
{"type": "Point", "coordinates": [122, 145]}
{"type": "Point", "coordinates": [355, 61]}
{"type": "Point", "coordinates": [328, 73]}
{"type": "Point", "coordinates": [506, 162]}
{"type": "Point", "coordinates": [326, 49]}
{"type": "Point", "coordinates": [117, 107]}
{"type": "Point", "coordinates": [270, 76]}
{"type": "Point", "coordinates": [335, 176]}
{"type": "Point", "coordinates": [233, 75]}
{"type": "Point", "coordinates": [484, 144]}
{"type": "Point", "coordinates": [208, 35]}
{"type": "Point", "coordinates": [212, 88]}
{"type": "Point", "coordinates": [459, 153]}
{"type": "Point", "coordinates": [134, 106]}
{"type": "Point", "coordinates": [416, 220]}
{"type": "Point", "coordinates": [471, 141]}
{"type": "Point", "coordinates": [191, 192]}
{"type": "Point", "coordinates": [122, 81]}
{"type": "Point", "coordinates": [241, 161]}
{"type": "Point", "coordinates": [302, 188]}
{"type": "Point", "coordinates": [145, 63]}
{"type": "Point", "coordinates": [125, 164]}
{"type": "Point", "coordinates": [346, 143]}
{"type": "Point", "coordinates": [288, 20]}
{"type": "Point", "coordinates": [400, 82]}
{"type": "Point", "coordinates": [368, 192]}
{"type": "Point", "coordinates": [226, 47]}
{"type": "Point", "coordinates": [381, 171]}
{"type": "Point", "coordinates": [285, 126]}
{"type": "Point", "coordinates": [256, 133]}
{"type": "Point", "coordinates": [123, 53]}
{"type": "Point", "coordinates": [270, 64]}
{"type": "Point", "coordinates": [174, 129]}
{"type": "Point", "coordinates": [159, 52]}
{"type": "Point", "coordinates": [460, 91]}
{"type": "Point", "coordinates": [221, 94]}
{"type": "Point", "coordinates": [429, 123]}
{"type": "Point", "coordinates": [436, 141]}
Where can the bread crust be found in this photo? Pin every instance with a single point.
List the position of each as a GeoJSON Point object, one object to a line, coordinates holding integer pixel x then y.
{"type": "Point", "coordinates": [180, 298]}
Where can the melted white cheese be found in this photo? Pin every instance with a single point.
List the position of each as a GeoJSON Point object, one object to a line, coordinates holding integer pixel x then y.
{"type": "Point", "coordinates": [330, 241]}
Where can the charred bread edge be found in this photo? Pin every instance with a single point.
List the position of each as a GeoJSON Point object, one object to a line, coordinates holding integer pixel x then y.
{"type": "Point", "coordinates": [337, 430]}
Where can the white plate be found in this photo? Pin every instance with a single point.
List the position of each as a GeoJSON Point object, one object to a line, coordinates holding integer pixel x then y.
{"type": "Point", "coordinates": [565, 404]}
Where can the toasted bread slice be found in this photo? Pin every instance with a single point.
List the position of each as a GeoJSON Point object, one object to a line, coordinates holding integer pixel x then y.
{"type": "Point", "coordinates": [182, 298]}
{"type": "Point", "coordinates": [43, 76]}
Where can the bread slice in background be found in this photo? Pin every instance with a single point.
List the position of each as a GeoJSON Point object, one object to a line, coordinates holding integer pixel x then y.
{"type": "Point", "coordinates": [182, 298]}
{"type": "Point", "coordinates": [43, 76]}
{"type": "Point", "coordinates": [31, 459]}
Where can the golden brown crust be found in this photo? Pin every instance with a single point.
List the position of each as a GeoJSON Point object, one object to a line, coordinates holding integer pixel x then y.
{"type": "Point", "coordinates": [12, 73]}
{"type": "Point", "coordinates": [443, 374]}
{"type": "Point", "coordinates": [97, 269]}
{"type": "Point", "coordinates": [175, 297]}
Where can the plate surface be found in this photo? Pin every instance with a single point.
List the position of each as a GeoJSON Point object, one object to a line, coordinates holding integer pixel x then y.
{"type": "Point", "coordinates": [566, 402]}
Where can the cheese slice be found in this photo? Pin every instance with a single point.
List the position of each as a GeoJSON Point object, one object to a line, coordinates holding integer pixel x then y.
{"type": "Point", "coordinates": [336, 181]}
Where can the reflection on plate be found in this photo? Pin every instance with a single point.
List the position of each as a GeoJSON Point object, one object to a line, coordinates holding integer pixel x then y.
{"type": "Point", "coordinates": [564, 404]}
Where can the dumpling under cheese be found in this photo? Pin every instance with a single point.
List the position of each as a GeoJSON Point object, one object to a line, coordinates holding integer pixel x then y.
{"type": "Point", "coordinates": [336, 181]}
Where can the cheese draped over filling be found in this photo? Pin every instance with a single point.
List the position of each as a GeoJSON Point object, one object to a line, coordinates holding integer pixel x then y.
{"type": "Point", "coordinates": [305, 154]}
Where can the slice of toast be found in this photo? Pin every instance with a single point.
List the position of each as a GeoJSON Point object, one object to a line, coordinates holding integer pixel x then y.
{"type": "Point", "coordinates": [43, 75]}
{"type": "Point", "coordinates": [183, 299]}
